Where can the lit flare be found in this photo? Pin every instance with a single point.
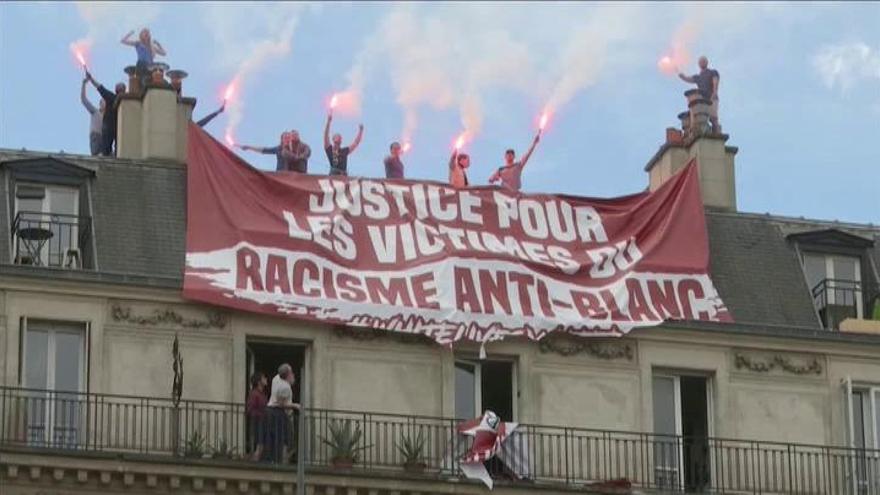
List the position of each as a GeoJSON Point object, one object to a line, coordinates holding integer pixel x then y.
{"type": "Point", "coordinates": [333, 101]}
{"type": "Point", "coordinates": [230, 91]}
{"type": "Point", "coordinates": [81, 59]}
{"type": "Point", "coordinates": [667, 65]}
{"type": "Point", "coordinates": [543, 123]}
{"type": "Point", "coordinates": [229, 141]}
{"type": "Point", "coordinates": [460, 141]}
{"type": "Point", "coordinates": [406, 147]}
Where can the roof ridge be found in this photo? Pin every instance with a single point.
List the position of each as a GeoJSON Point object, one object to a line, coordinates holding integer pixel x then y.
{"type": "Point", "coordinates": [801, 220]}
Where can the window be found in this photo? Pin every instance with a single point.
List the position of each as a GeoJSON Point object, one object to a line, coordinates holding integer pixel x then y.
{"type": "Point", "coordinates": [681, 425]}
{"type": "Point", "coordinates": [54, 364]}
{"type": "Point", "coordinates": [835, 284]}
{"type": "Point", "coordinates": [46, 224]}
{"type": "Point", "coordinates": [482, 385]}
{"type": "Point", "coordinates": [862, 405]}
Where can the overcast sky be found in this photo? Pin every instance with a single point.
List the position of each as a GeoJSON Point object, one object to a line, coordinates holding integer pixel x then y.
{"type": "Point", "coordinates": [800, 85]}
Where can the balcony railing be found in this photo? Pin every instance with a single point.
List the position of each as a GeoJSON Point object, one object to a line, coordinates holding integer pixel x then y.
{"type": "Point", "coordinates": [536, 455]}
{"type": "Point", "coordinates": [50, 239]}
{"type": "Point", "coordinates": [837, 300]}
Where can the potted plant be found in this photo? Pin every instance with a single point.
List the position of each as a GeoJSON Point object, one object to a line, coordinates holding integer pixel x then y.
{"type": "Point", "coordinates": [194, 446]}
{"type": "Point", "coordinates": [412, 450]}
{"type": "Point", "coordinates": [343, 442]}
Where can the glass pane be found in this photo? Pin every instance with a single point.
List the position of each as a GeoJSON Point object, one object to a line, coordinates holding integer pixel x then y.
{"type": "Point", "coordinates": [858, 420]}
{"type": "Point", "coordinates": [36, 359]}
{"type": "Point", "coordinates": [666, 448]}
{"type": "Point", "coordinates": [68, 353]}
{"type": "Point", "coordinates": [62, 204]}
{"type": "Point", "coordinates": [465, 390]}
{"type": "Point", "coordinates": [36, 376]}
{"type": "Point", "coordinates": [814, 266]}
{"type": "Point", "coordinates": [68, 377]}
{"type": "Point", "coordinates": [63, 200]}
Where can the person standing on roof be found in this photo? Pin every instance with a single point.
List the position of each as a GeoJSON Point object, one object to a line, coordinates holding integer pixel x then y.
{"type": "Point", "coordinates": [292, 155]}
{"type": "Point", "coordinates": [147, 48]}
{"type": "Point", "coordinates": [458, 164]}
{"type": "Point", "coordinates": [707, 81]}
{"type": "Point", "coordinates": [510, 174]}
{"type": "Point", "coordinates": [111, 114]}
{"type": "Point", "coordinates": [96, 120]}
{"type": "Point", "coordinates": [337, 154]}
{"type": "Point", "coordinates": [393, 163]}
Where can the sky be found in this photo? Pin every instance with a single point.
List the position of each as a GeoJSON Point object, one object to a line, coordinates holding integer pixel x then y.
{"type": "Point", "coordinates": [800, 85]}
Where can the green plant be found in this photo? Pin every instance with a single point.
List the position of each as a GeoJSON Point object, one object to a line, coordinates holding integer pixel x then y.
{"type": "Point", "coordinates": [194, 445]}
{"type": "Point", "coordinates": [223, 451]}
{"type": "Point", "coordinates": [343, 441]}
{"type": "Point", "coordinates": [412, 449]}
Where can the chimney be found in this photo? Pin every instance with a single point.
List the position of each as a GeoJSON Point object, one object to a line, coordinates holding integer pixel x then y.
{"type": "Point", "coordinates": [696, 140]}
{"type": "Point", "coordinates": [153, 122]}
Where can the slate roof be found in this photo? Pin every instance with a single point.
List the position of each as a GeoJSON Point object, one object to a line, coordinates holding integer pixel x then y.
{"type": "Point", "coordinates": [139, 223]}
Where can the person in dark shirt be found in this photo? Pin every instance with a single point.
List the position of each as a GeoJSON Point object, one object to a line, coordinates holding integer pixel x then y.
{"type": "Point", "coordinates": [111, 114]}
{"type": "Point", "coordinates": [510, 174]}
{"type": "Point", "coordinates": [707, 81]}
{"type": "Point", "coordinates": [393, 164]}
{"type": "Point", "coordinates": [291, 155]}
{"type": "Point", "coordinates": [337, 154]}
{"type": "Point", "coordinates": [255, 409]}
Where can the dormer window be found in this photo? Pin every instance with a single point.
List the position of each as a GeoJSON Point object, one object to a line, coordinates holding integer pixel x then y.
{"type": "Point", "coordinates": [50, 220]}
{"type": "Point", "coordinates": [839, 274]}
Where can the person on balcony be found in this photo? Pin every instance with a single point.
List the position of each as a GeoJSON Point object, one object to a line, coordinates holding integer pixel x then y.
{"type": "Point", "coordinates": [280, 407]}
{"type": "Point", "coordinates": [393, 163]}
{"type": "Point", "coordinates": [292, 155]}
{"type": "Point", "coordinates": [255, 409]}
{"type": "Point", "coordinates": [147, 48]}
{"type": "Point", "coordinates": [337, 154]}
{"type": "Point", "coordinates": [707, 81]}
{"type": "Point", "coordinates": [458, 164]}
{"type": "Point", "coordinates": [111, 114]}
{"type": "Point", "coordinates": [96, 119]}
{"type": "Point", "coordinates": [510, 174]}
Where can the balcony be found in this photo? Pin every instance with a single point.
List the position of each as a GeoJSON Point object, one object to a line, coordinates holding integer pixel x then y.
{"type": "Point", "coordinates": [50, 239]}
{"type": "Point", "coordinates": [837, 300]}
{"type": "Point", "coordinates": [537, 457]}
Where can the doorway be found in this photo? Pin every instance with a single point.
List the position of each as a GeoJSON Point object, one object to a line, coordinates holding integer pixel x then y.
{"type": "Point", "coordinates": [266, 355]}
{"type": "Point", "coordinates": [681, 423]}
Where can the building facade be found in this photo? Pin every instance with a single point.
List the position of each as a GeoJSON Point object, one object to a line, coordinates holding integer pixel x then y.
{"type": "Point", "coordinates": [784, 400]}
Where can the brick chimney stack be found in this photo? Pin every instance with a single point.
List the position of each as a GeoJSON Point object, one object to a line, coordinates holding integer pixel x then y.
{"type": "Point", "coordinates": [694, 139]}
{"type": "Point", "coordinates": [153, 122]}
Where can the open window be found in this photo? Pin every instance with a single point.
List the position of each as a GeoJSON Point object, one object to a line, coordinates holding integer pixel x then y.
{"type": "Point", "coordinates": [681, 425]}
{"type": "Point", "coordinates": [485, 384]}
{"type": "Point", "coordinates": [862, 405]}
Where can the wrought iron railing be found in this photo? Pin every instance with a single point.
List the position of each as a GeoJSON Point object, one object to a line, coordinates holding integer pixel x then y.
{"type": "Point", "coordinates": [837, 299]}
{"type": "Point", "coordinates": [550, 455]}
{"type": "Point", "coordinates": [50, 239]}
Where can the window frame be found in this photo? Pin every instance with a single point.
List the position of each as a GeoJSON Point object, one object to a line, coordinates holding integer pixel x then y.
{"type": "Point", "coordinates": [477, 363]}
{"type": "Point", "coordinates": [829, 259]}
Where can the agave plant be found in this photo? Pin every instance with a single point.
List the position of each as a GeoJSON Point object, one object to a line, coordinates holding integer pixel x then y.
{"type": "Point", "coordinates": [194, 446]}
{"type": "Point", "coordinates": [343, 442]}
{"type": "Point", "coordinates": [223, 451]}
{"type": "Point", "coordinates": [412, 450]}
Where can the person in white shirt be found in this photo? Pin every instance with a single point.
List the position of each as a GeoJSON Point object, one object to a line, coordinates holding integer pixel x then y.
{"type": "Point", "coordinates": [280, 408]}
{"type": "Point", "coordinates": [96, 122]}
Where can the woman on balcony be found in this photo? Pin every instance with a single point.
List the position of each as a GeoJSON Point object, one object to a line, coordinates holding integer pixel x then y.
{"type": "Point", "coordinates": [255, 409]}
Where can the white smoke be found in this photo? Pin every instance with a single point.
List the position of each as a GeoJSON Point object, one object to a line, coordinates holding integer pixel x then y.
{"type": "Point", "coordinates": [844, 65]}
{"type": "Point", "coordinates": [247, 37]}
{"type": "Point", "coordinates": [451, 58]}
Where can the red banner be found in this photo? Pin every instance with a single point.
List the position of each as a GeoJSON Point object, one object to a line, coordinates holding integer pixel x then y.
{"type": "Point", "coordinates": [479, 264]}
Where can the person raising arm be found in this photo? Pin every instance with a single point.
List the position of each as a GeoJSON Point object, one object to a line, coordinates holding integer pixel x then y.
{"type": "Point", "coordinates": [337, 154]}
{"type": "Point", "coordinates": [96, 120]}
{"type": "Point", "coordinates": [510, 174]}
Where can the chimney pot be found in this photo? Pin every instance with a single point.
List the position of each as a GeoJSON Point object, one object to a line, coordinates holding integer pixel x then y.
{"type": "Point", "coordinates": [134, 83]}
{"type": "Point", "coordinates": [692, 94]}
{"type": "Point", "coordinates": [673, 136]}
{"type": "Point", "coordinates": [177, 76]}
{"type": "Point", "coordinates": [685, 118]}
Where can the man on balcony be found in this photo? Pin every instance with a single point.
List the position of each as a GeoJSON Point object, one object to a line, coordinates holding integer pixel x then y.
{"type": "Point", "coordinates": [280, 409]}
